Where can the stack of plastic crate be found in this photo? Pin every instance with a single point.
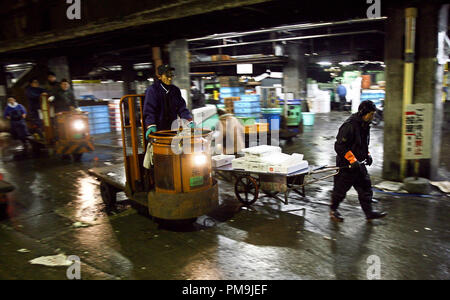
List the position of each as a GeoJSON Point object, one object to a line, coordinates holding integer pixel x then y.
{"type": "Point", "coordinates": [98, 118]}
{"type": "Point", "coordinates": [249, 106]}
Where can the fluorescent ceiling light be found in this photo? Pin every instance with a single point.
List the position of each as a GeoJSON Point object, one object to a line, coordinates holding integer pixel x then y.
{"type": "Point", "coordinates": [324, 63]}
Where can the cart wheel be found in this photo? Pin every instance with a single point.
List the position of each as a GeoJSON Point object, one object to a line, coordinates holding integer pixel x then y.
{"type": "Point", "coordinates": [246, 190]}
{"type": "Point", "coordinates": [77, 156]}
{"type": "Point", "coordinates": [108, 193]}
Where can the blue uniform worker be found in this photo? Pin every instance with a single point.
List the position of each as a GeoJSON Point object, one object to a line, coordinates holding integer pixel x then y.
{"type": "Point", "coordinates": [16, 113]}
{"type": "Point", "coordinates": [163, 103]}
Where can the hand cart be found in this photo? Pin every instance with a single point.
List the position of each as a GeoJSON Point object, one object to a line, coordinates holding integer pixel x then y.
{"type": "Point", "coordinates": [248, 184]}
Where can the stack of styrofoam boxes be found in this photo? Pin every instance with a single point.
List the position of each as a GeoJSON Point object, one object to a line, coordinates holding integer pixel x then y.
{"type": "Point", "coordinates": [269, 159]}
{"type": "Point", "coordinates": [98, 118]}
{"type": "Point", "coordinates": [114, 115]}
{"type": "Point", "coordinates": [201, 114]}
{"type": "Point", "coordinates": [249, 106]}
{"type": "Point", "coordinates": [222, 160]}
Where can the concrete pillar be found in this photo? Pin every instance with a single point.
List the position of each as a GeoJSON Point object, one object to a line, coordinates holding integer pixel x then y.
{"type": "Point", "coordinates": [179, 59]}
{"type": "Point", "coordinates": [59, 66]}
{"type": "Point", "coordinates": [294, 72]}
{"type": "Point", "coordinates": [428, 76]}
{"type": "Point", "coordinates": [394, 92]}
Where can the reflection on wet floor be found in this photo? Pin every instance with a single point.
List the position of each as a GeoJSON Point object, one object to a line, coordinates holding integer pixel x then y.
{"type": "Point", "coordinates": [57, 207]}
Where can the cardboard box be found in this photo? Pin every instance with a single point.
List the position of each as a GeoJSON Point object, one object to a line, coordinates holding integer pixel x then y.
{"type": "Point", "coordinates": [218, 57]}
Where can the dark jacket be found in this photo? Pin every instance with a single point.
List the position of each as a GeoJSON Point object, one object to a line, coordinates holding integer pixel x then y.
{"type": "Point", "coordinates": [33, 96]}
{"type": "Point", "coordinates": [63, 100]}
{"type": "Point", "coordinates": [162, 105]}
{"type": "Point", "coordinates": [354, 136]}
{"type": "Point", "coordinates": [52, 87]}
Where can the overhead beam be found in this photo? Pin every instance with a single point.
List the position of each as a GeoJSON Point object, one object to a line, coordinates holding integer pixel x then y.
{"type": "Point", "coordinates": [180, 9]}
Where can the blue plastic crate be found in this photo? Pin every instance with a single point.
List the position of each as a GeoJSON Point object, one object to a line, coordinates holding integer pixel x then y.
{"type": "Point", "coordinates": [99, 131]}
{"type": "Point", "coordinates": [99, 120]}
{"type": "Point", "coordinates": [248, 97]}
{"type": "Point", "coordinates": [228, 95]}
{"type": "Point", "coordinates": [248, 110]}
{"type": "Point", "coordinates": [100, 108]}
{"type": "Point", "coordinates": [231, 90]}
{"type": "Point", "coordinates": [246, 104]}
{"type": "Point", "coordinates": [100, 125]}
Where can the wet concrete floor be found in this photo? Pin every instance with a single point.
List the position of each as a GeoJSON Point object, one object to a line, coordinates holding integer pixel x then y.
{"type": "Point", "coordinates": [268, 240]}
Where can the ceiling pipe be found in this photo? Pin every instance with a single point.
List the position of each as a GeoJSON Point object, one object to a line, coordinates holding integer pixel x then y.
{"type": "Point", "coordinates": [306, 37]}
{"type": "Point", "coordinates": [286, 27]}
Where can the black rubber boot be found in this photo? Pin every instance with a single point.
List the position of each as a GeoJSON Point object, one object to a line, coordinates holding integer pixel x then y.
{"type": "Point", "coordinates": [336, 216]}
{"type": "Point", "coordinates": [376, 215]}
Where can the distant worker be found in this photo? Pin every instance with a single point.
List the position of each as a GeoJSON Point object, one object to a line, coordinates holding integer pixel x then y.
{"type": "Point", "coordinates": [16, 113]}
{"type": "Point", "coordinates": [163, 103]}
{"type": "Point", "coordinates": [33, 93]}
{"type": "Point", "coordinates": [52, 84]}
{"type": "Point", "coordinates": [231, 135]}
{"type": "Point", "coordinates": [342, 93]}
{"type": "Point", "coordinates": [352, 148]}
{"type": "Point", "coordinates": [198, 99]}
{"type": "Point", "coordinates": [64, 98]}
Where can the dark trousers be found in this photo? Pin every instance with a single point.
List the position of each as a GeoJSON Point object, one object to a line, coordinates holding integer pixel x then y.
{"type": "Point", "coordinates": [360, 180]}
{"type": "Point", "coordinates": [343, 101]}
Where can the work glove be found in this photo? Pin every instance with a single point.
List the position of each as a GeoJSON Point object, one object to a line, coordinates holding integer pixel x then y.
{"type": "Point", "coordinates": [150, 130]}
{"type": "Point", "coordinates": [369, 160]}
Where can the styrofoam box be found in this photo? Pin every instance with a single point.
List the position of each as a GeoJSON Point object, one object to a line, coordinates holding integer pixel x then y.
{"type": "Point", "coordinates": [271, 158]}
{"type": "Point", "coordinates": [262, 150]}
{"type": "Point", "coordinates": [256, 167]}
{"type": "Point", "coordinates": [222, 160]}
{"type": "Point", "coordinates": [294, 166]}
{"type": "Point", "coordinates": [239, 163]}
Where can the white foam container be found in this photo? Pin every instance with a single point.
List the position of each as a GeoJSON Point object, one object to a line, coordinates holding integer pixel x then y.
{"type": "Point", "coordinates": [222, 160]}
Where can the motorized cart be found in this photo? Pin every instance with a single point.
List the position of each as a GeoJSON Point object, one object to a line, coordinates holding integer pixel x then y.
{"type": "Point", "coordinates": [65, 133]}
{"type": "Point", "coordinates": [179, 184]}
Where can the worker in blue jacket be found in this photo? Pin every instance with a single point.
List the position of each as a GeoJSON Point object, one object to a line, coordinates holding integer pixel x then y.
{"type": "Point", "coordinates": [342, 93]}
{"type": "Point", "coordinates": [163, 103]}
{"type": "Point", "coordinates": [16, 113]}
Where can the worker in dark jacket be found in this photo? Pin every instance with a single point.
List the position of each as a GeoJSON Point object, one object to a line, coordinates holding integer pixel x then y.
{"type": "Point", "coordinates": [163, 103]}
{"type": "Point", "coordinates": [64, 99]}
{"type": "Point", "coordinates": [52, 84]}
{"type": "Point", "coordinates": [33, 93]}
{"type": "Point", "coordinates": [352, 148]}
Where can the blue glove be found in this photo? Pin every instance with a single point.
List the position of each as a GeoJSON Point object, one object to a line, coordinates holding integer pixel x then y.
{"type": "Point", "coordinates": [150, 130]}
{"type": "Point", "coordinates": [192, 125]}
